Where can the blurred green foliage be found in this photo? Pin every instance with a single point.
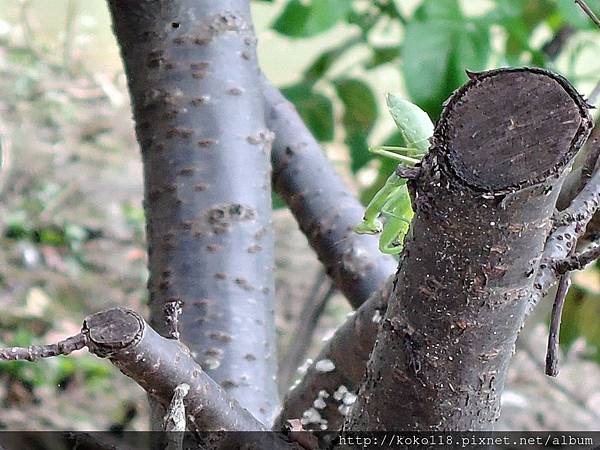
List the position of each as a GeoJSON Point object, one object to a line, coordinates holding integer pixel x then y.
{"type": "Point", "coordinates": [437, 43]}
{"type": "Point", "coordinates": [304, 19]}
{"type": "Point", "coordinates": [54, 372]}
{"type": "Point", "coordinates": [360, 114]}
{"type": "Point", "coordinates": [24, 223]}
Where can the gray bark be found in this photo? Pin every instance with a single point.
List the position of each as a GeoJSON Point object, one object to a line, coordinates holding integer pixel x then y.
{"type": "Point", "coordinates": [484, 199]}
{"type": "Point", "coordinates": [322, 204]}
{"type": "Point", "coordinates": [193, 79]}
{"type": "Point", "coordinates": [159, 365]}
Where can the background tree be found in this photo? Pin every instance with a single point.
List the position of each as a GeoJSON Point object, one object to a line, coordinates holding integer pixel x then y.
{"type": "Point", "coordinates": [179, 73]}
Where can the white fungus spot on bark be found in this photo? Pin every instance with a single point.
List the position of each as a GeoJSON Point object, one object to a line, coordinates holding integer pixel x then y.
{"type": "Point", "coordinates": [323, 394]}
{"type": "Point", "coordinates": [339, 393]}
{"type": "Point", "coordinates": [377, 316]}
{"type": "Point", "coordinates": [344, 409]}
{"type": "Point", "coordinates": [325, 365]}
{"type": "Point", "coordinates": [349, 398]}
{"type": "Point", "coordinates": [311, 415]}
{"type": "Point", "coordinates": [304, 367]}
{"type": "Point", "coordinates": [319, 403]}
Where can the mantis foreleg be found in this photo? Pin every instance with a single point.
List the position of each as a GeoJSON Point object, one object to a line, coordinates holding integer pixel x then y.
{"type": "Point", "coordinates": [370, 223]}
{"type": "Point", "coordinates": [392, 199]}
{"type": "Point", "coordinates": [410, 155]}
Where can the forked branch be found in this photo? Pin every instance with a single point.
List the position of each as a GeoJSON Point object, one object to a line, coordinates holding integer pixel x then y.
{"type": "Point", "coordinates": [157, 364]}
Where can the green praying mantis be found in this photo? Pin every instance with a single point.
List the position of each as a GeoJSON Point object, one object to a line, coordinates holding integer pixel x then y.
{"type": "Point", "coordinates": [393, 199]}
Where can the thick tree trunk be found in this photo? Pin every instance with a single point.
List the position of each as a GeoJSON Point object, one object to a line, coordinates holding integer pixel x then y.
{"type": "Point", "coordinates": [485, 197]}
{"type": "Point", "coordinates": [193, 79]}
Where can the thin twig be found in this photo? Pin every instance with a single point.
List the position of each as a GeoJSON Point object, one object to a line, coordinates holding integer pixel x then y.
{"type": "Point", "coordinates": [314, 306]}
{"type": "Point", "coordinates": [554, 46]}
{"type": "Point", "coordinates": [593, 97]}
{"type": "Point", "coordinates": [588, 11]}
{"type": "Point", "coordinates": [591, 160]}
{"type": "Point", "coordinates": [570, 226]}
{"type": "Point", "coordinates": [555, 318]}
{"type": "Point", "coordinates": [578, 261]}
{"type": "Point", "coordinates": [35, 352]}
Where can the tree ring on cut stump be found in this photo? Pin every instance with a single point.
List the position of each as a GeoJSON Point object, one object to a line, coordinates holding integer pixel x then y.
{"type": "Point", "coordinates": [112, 330]}
{"type": "Point", "coordinates": [526, 126]}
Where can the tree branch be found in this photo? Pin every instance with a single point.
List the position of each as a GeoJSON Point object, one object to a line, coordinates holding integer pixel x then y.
{"type": "Point", "coordinates": [570, 226]}
{"type": "Point", "coordinates": [323, 206]}
{"type": "Point", "coordinates": [159, 365]}
{"type": "Point", "coordinates": [577, 180]}
{"type": "Point", "coordinates": [563, 268]}
{"type": "Point", "coordinates": [552, 351]}
{"type": "Point", "coordinates": [592, 157]}
{"type": "Point", "coordinates": [327, 390]}
{"type": "Point", "coordinates": [35, 352]}
{"type": "Point", "coordinates": [156, 363]}
{"type": "Point", "coordinates": [465, 276]}
{"type": "Point", "coordinates": [165, 369]}
{"type": "Point", "coordinates": [193, 79]}
{"type": "Point", "coordinates": [578, 261]}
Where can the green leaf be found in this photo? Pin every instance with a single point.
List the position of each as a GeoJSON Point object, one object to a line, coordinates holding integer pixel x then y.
{"type": "Point", "coordinates": [302, 19]}
{"type": "Point", "coordinates": [438, 48]}
{"type": "Point", "coordinates": [51, 235]}
{"type": "Point", "coordinates": [426, 59]}
{"type": "Point", "coordinates": [360, 114]}
{"type": "Point", "coordinates": [471, 52]}
{"type": "Point", "coordinates": [520, 20]}
{"type": "Point", "coordinates": [322, 64]}
{"type": "Point", "coordinates": [315, 109]}
{"type": "Point", "coordinates": [383, 55]}
{"type": "Point", "coordinates": [359, 150]}
{"type": "Point", "coordinates": [439, 10]}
